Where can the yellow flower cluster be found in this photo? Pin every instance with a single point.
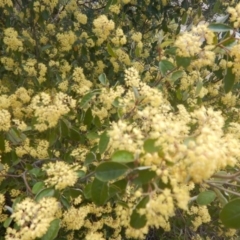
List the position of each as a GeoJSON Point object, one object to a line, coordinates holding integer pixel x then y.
{"type": "Point", "coordinates": [32, 218]}
{"type": "Point", "coordinates": [74, 218]}
{"type": "Point", "coordinates": [102, 28]}
{"type": "Point", "coordinates": [159, 209]}
{"type": "Point", "coordinates": [81, 85]}
{"type": "Point", "coordinates": [136, 36]}
{"type": "Point", "coordinates": [6, 3]}
{"type": "Point", "coordinates": [202, 216]}
{"type": "Point", "coordinates": [60, 175]}
{"type": "Point", "coordinates": [2, 202]}
{"type": "Point", "coordinates": [66, 40]}
{"type": "Point", "coordinates": [107, 96]}
{"type": "Point", "coordinates": [229, 99]}
{"type": "Point", "coordinates": [189, 43]}
{"type": "Point", "coordinates": [48, 109]}
{"type": "Point", "coordinates": [131, 77]}
{"type": "Point", "coordinates": [38, 150]}
{"type": "Point", "coordinates": [236, 62]}
{"type": "Point", "coordinates": [5, 120]}
{"type": "Point", "coordinates": [119, 38]}
{"type": "Point", "coordinates": [115, 8]}
{"type": "Point", "coordinates": [235, 15]}
{"type": "Point", "coordinates": [11, 40]}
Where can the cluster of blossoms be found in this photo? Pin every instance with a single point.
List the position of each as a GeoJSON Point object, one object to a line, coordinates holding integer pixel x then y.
{"type": "Point", "coordinates": [3, 216]}
{"type": "Point", "coordinates": [202, 216]}
{"type": "Point", "coordinates": [81, 85]}
{"type": "Point", "coordinates": [60, 174]}
{"type": "Point", "coordinates": [33, 218]}
{"type": "Point", "coordinates": [235, 15]}
{"type": "Point", "coordinates": [102, 28]}
{"type": "Point", "coordinates": [68, 54]}
{"type": "Point", "coordinates": [48, 109]}
{"type": "Point", "coordinates": [189, 43]}
{"type": "Point", "coordinates": [236, 62]}
{"type": "Point", "coordinates": [12, 41]}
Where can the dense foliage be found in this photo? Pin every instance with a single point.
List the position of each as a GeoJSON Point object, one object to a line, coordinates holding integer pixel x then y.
{"type": "Point", "coordinates": [119, 119]}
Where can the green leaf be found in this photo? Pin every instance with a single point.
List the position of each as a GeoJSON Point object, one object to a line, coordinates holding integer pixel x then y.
{"type": "Point", "coordinates": [44, 48]}
{"type": "Point", "coordinates": [65, 202]}
{"type": "Point", "coordinates": [80, 173]}
{"type": "Point", "coordinates": [90, 157]}
{"type": "Point", "coordinates": [64, 127]}
{"type": "Point", "coordinates": [136, 93]}
{"type": "Point", "coordinates": [2, 142]}
{"type": "Point", "coordinates": [113, 190]}
{"type": "Point", "coordinates": [37, 187]}
{"type": "Point", "coordinates": [99, 192]}
{"type": "Point", "coordinates": [103, 142]}
{"type": "Point", "coordinates": [184, 18]}
{"type": "Point", "coordinates": [15, 136]}
{"type": "Point", "coordinates": [74, 134]}
{"type": "Point", "coordinates": [176, 75]}
{"type": "Point", "coordinates": [183, 61]}
{"type": "Point", "coordinates": [88, 97]}
{"type": "Point", "coordinates": [230, 214]}
{"type": "Point", "coordinates": [149, 146]}
{"type": "Point", "coordinates": [165, 66]}
{"type": "Point", "coordinates": [144, 176]}
{"type": "Point", "coordinates": [229, 80]}
{"type": "Point", "coordinates": [103, 79]}
{"type": "Point", "coordinates": [123, 156]}
{"type": "Point", "coordinates": [87, 192]}
{"type": "Point", "coordinates": [219, 27]}
{"type": "Point", "coordinates": [198, 88]}
{"type": "Point", "coordinates": [121, 184]}
{"type": "Point", "coordinates": [1, 167]}
{"type": "Point", "coordinates": [92, 135]}
{"type": "Point", "coordinates": [171, 51]}
{"type": "Point", "coordinates": [111, 51]}
{"type": "Point", "coordinates": [204, 198]}
{"type": "Point", "coordinates": [97, 122]}
{"type": "Point", "coordinates": [108, 171]}
{"type": "Point", "coordinates": [52, 231]}
{"type": "Point", "coordinates": [88, 117]}
{"type": "Point", "coordinates": [47, 192]}
{"type": "Point", "coordinates": [7, 222]}
{"type": "Point", "coordinates": [139, 221]}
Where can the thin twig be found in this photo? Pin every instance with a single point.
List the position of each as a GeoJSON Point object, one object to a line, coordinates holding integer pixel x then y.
{"type": "Point", "coordinates": [223, 189]}
{"type": "Point", "coordinates": [233, 176]}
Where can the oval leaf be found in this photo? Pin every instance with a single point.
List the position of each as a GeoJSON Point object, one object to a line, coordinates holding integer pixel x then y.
{"type": "Point", "coordinates": [176, 75]}
{"type": "Point", "coordinates": [139, 221]}
{"type": "Point", "coordinates": [37, 187]}
{"type": "Point", "coordinates": [99, 192]}
{"type": "Point", "coordinates": [229, 80]}
{"type": "Point", "coordinates": [204, 198]}
{"type": "Point", "coordinates": [230, 214]}
{"type": "Point", "coordinates": [103, 142]}
{"type": "Point", "coordinates": [219, 27]}
{"type": "Point", "coordinates": [122, 156]}
{"type": "Point", "coordinates": [47, 192]}
{"type": "Point", "coordinates": [165, 66]}
{"type": "Point", "coordinates": [103, 79]}
{"type": "Point", "coordinates": [52, 231]}
{"type": "Point", "coordinates": [108, 171]}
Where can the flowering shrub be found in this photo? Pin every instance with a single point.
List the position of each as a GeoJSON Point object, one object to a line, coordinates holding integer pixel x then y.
{"type": "Point", "coordinates": [119, 119]}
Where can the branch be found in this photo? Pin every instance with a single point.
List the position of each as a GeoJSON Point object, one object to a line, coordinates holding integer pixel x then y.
{"type": "Point", "coordinates": [226, 176]}
{"type": "Point", "coordinates": [221, 188]}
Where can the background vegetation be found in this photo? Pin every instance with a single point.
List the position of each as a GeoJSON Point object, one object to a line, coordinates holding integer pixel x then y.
{"type": "Point", "coordinates": [119, 119]}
